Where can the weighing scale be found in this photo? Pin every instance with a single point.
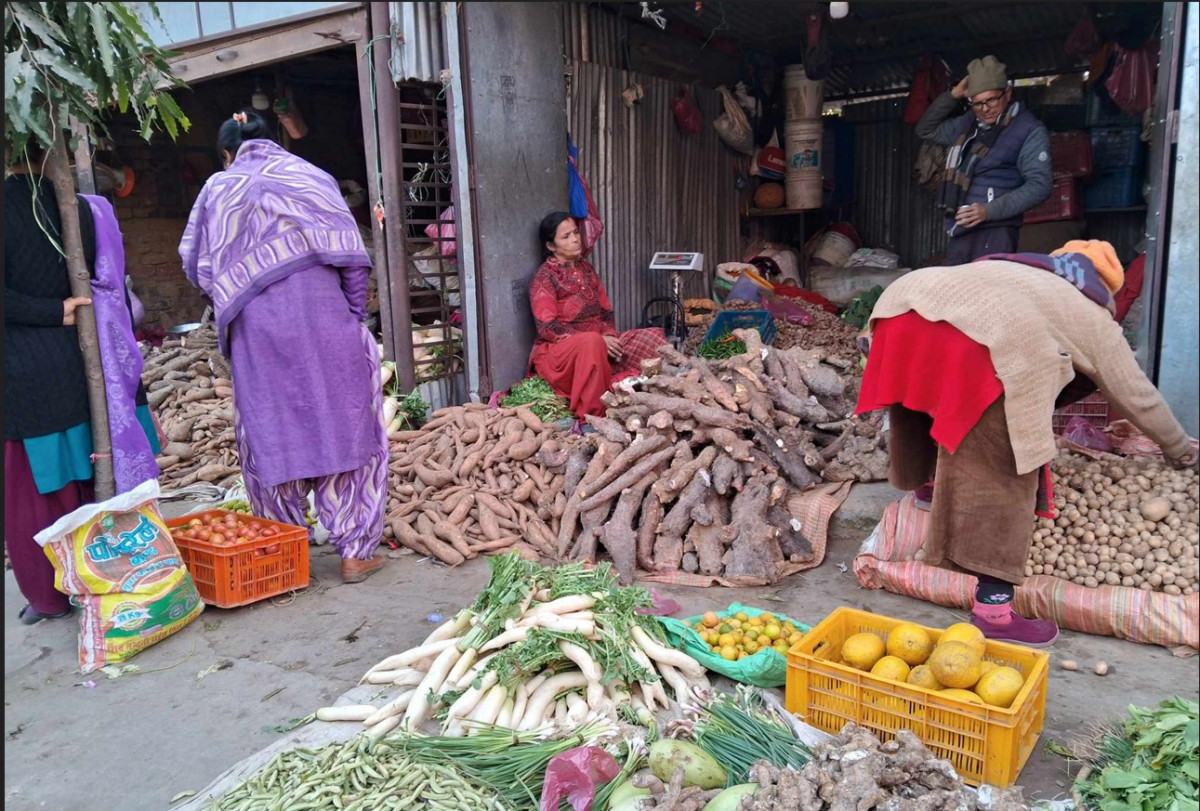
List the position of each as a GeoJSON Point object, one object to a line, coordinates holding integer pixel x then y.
{"type": "Point", "coordinates": [676, 263]}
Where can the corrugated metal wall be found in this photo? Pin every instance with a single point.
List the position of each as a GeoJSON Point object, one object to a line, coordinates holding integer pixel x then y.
{"type": "Point", "coordinates": [594, 34]}
{"type": "Point", "coordinates": [655, 189]}
{"type": "Point", "coordinates": [417, 31]}
{"type": "Point", "coordinates": [891, 211]}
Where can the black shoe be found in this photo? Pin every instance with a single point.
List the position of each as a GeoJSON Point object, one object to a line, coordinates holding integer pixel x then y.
{"type": "Point", "coordinates": [31, 616]}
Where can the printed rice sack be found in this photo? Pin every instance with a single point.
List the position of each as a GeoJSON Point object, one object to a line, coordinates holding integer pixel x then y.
{"type": "Point", "coordinates": [119, 565]}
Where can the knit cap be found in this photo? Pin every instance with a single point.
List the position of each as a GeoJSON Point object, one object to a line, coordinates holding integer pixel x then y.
{"type": "Point", "coordinates": [984, 75]}
{"type": "Point", "coordinates": [1103, 257]}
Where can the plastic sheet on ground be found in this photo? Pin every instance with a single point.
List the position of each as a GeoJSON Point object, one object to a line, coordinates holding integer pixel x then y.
{"type": "Point", "coordinates": [812, 508]}
{"type": "Point", "coordinates": [887, 561]}
{"type": "Point", "coordinates": [314, 735]}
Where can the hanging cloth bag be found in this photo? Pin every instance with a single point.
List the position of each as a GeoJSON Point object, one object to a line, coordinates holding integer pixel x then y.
{"type": "Point", "coordinates": [733, 126]}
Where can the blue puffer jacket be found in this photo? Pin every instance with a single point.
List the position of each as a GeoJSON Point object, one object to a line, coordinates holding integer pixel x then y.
{"type": "Point", "coordinates": [997, 172]}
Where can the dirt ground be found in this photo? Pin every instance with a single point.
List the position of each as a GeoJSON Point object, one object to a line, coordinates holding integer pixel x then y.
{"type": "Point", "coordinates": [229, 684]}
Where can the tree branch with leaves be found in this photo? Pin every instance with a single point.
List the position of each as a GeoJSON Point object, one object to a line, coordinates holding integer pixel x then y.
{"type": "Point", "coordinates": [78, 62]}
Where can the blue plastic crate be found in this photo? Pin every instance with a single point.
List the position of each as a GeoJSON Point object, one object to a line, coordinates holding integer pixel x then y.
{"type": "Point", "coordinates": [729, 320]}
{"type": "Point", "coordinates": [1120, 188]}
{"type": "Point", "coordinates": [1116, 148]}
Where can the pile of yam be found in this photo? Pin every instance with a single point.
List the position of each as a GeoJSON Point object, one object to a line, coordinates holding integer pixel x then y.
{"type": "Point", "coordinates": [189, 388]}
{"type": "Point", "coordinates": [475, 480]}
{"type": "Point", "coordinates": [1121, 522]}
{"type": "Point", "coordinates": [694, 464]}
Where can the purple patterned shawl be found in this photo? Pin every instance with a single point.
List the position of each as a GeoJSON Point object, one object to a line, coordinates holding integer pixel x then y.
{"type": "Point", "coordinates": [133, 458]}
{"type": "Point", "coordinates": [267, 216]}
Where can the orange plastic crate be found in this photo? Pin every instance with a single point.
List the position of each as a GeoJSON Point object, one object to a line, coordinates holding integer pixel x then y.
{"type": "Point", "coordinates": [229, 576]}
{"type": "Point", "coordinates": [985, 744]}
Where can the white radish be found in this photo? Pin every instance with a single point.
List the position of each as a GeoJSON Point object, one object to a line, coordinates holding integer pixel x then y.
{"type": "Point", "coordinates": [643, 712]}
{"type": "Point", "coordinates": [587, 665]}
{"type": "Point", "coordinates": [507, 638]}
{"type": "Point", "coordinates": [660, 653]}
{"type": "Point", "coordinates": [504, 719]}
{"type": "Point", "coordinates": [410, 678]}
{"type": "Point", "coordinates": [554, 622]}
{"type": "Point", "coordinates": [520, 702]}
{"type": "Point", "coordinates": [465, 662]}
{"type": "Point", "coordinates": [412, 656]}
{"type": "Point", "coordinates": [540, 700]}
{"type": "Point", "coordinates": [389, 676]}
{"type": "Point", "coordinates": [674, 678]}
{"type": "Point", "coordinates": [566, 605]}
{"type": "Point", "coordinates": [396, 706]}
{"type": "Point", "coordinates": [560, 712]}
{"type": "Point", "coordinates": [346, 712]}
{"type": "Point", "coordinates": [542, 595]}
{"type": "Point", "coordinates": [450, 628]}
{"type": "Point", "coordinates": [577, 708]}
{"type": "Point", "coordinates": [470, 699]}
{"type": "Point", "coordinates": [419, 708]}
{"type": "Point", "coordinates": [376, 733]}
{"type": "Point", "coordinates": [476, 669]}
{"type": "Point", "coordinates": [536, 682]}
{"type": "Point", "coordinates": [488, 709]}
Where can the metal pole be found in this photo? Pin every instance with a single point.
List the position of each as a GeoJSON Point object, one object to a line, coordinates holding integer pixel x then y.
{"type": "Point", "coordinates": [393, 200]}
{"type": "Point", "coordinates": [463, 204]}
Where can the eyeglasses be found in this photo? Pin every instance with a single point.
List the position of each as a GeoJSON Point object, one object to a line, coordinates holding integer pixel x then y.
{"type": "Point", "coordinates": [986, 103]}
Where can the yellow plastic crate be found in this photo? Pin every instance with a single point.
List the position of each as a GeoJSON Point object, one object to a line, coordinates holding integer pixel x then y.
{"type": "Point", "coordinates": [985, 744]}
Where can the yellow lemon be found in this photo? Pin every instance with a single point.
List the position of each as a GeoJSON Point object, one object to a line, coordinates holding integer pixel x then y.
{"type": "Point", "coordinates": [794, 637]}
{"type": "Point", "coordinates": [742, 655]}
{"type": "Point", "coordinates": [891, 667]}
{"type": "Point", "coordinates": [729, 652]}
{"type": "Point", "coordinates": [773, 631]}
{"type": "Point", "coordinates": [781, 646]}
{"type": "Point", "coordinates": [955, 664]}
{"type": "Point", "coordinates": [909, 643]}
{"type": "Point", "coordinates": [767, 617]}
{"type": "Point", "coordinates": [964, 632]}
{"type": "Point", "coordinates": [863, 650]}
{"type": "Point", "coordinates": [750, 647]}
{"type": "Point", "coordinates": [725, 628]}
{"type": "Point", "coordinates": [755, 621]}
{"type": "Point", "coordinates": [999, 686]}
{"type": "Point", "coordinates": [742, 616]}
{"type": "Point", "coordinates": [727, 641]}
{"type": "Point", "coordinates": [763, 639]}
{"type": "Point", "coordinates": [961, 695]}
{"type": "Point", "coordinates": [711, 619]}
{"type": "Point", "coordinates": [922, 676]}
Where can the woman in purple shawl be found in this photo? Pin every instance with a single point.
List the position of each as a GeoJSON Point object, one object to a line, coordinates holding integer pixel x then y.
{"type": "Point", "coordinates": [272, 243]}
{"type": "Point", "coordinates": [47, 416]}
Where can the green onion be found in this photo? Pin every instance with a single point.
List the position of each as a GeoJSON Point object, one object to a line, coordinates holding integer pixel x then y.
{"type": "Point", "coordinates": [738, 731]}
{"type": "Point", "coordinates": [540, 398]}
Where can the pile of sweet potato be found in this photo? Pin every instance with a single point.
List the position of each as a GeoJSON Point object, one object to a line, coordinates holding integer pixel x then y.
{"type": "Point", "coordinates": [693, 467]}
{"type": "Point", "coordinates": [474, 481]}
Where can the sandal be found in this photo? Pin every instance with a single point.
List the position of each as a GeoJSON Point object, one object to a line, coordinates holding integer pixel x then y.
{"type": "Point", "coordinates": [31, 616]}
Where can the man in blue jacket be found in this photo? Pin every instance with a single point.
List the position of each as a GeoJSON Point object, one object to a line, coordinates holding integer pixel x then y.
{"type": "Point", "coordinates": [999, 162]}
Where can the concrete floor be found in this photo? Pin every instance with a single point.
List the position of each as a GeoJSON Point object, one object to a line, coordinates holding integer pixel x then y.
{"type": "Point", "coordinates": [221, 689]}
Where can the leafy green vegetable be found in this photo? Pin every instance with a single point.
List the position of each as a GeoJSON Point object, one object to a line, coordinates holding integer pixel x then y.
{"type": "Point", "coordinates": [1148, 762]}
{"type": "Point", "coordinates": [858, 311]}
{"type": "Point", "coordinates": [539, 397]}
{"type": "Point", "coordinates": [740, 730]}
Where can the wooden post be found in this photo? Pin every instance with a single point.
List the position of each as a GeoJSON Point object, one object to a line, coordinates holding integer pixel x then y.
{"type": "Point", "coordinates": [59, 169]}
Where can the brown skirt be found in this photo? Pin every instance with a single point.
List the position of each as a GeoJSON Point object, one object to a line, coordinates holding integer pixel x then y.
{"type": "Point", "coordinates": [981, 519]}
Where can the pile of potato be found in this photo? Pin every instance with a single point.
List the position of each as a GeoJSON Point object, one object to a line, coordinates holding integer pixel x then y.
{"type": "Point", "coordinates": [1121, 522]}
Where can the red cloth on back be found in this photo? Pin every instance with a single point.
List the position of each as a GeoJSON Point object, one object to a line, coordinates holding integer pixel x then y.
{"type": "Point", "coordinates": [1124, 298]}
{"type": "Point", "coordinates": [933, 368]}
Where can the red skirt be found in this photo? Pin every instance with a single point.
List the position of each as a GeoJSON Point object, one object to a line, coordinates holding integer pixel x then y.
{"type": "Point", "coordinates": [933, 368]}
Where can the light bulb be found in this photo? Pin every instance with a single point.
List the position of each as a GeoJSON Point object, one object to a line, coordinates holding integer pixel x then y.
{"type": "Point", "coordinates": [259, 100]}
{"type": "Point", "coordinates": [839, 10]}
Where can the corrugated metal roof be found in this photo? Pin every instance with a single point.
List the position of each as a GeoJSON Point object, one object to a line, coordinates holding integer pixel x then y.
{"type": "Point", "coordinates": [875, 48]}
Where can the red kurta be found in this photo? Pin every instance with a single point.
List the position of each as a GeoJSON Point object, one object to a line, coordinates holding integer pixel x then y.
{"type": "Point", "coordinates": [573, 314]}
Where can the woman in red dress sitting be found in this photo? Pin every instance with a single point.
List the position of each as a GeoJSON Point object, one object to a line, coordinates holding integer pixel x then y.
{"type": "Point", "coordinates": [578, 350]}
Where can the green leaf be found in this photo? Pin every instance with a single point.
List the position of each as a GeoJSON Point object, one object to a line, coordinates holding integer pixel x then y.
{"type": "Point", "coordinates": [130, 21]}
{"type": "Point", "coordinates": [100, 25]}
{"type": "Point", "coordinates": [1191, 734]}
{"type": "Point", "coordinates": [123, 95]}
{"type": "Point", "coordinates": [1115, 778]}
{"type": "Point", "coordinates": [65, 69]}
{"type": "Point", "coordinates": [171, 113]}
{"type": "Point", "coordinates": [40, 25]}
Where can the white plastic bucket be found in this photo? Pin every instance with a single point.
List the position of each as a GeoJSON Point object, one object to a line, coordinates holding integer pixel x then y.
{"type": "Point", "coordinates": [802, 144]}
{"type": "Point", "coordinates": [805, 188]}
{"type": "Point", "coordinates": [804, 97]}
{"type": "Point", "coordinates": [832, 248]}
